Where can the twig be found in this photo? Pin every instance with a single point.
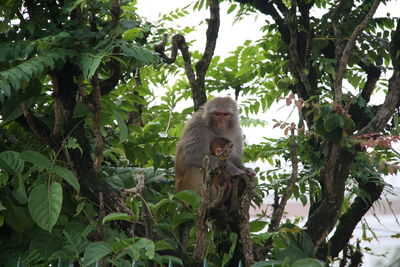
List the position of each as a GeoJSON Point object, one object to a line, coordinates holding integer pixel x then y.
{"type": "Point", "coordinates": [100, 226]}
{"type": "Point", "coordinates": [139, 189]}
{"type": "Point", "coordinates": [279, 209]}
{"type": "Point", "coordinates": [96, 124]}
{"type": "Point", "coordinates": [57, 108]}
{"type": "Point", "coordinates": [196, 80]}
{"type": "Point", "coordinates": [344, 58]}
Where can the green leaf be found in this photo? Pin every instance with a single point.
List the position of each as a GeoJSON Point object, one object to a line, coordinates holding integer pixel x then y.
{"type": "Point", "coordinates": [143, 244]}
{"type": "Point", "coordinates": [190, 197]}
{"type": "Point", "coordinates": [68, 176]}
{"type": "Point", "coordinates": [349, 125]}
{"type": "Point", "coordinates": [20, 193]}
{"type": "Point", "coordinates": [64, 253]}
{"type": "Point", "coordinates": [233, 237]}
{"type": "Point", "coordinates": [131, 34]}
{"type": "Point", "coordinates": [89, 64]}
{"type": "Point", "coordinates": [96, 251]}
{"type": "Point", "coordinates": [157, 158]}
{"type": "Point", "coordinates": [2, 206]}
{"type": "Point", "coordinates": [335, 136]}
{"type": "Point", "coordinates": [123, 130]}
{"type": "Point", "coordinates": [117, 216]}
{"type": "Point", "coordinates": [303, 199]}
{"type": "Point", "coordinates": [80, 110]}
{"type": "Point", "coordinates": [231, 8]}
{"type": "Point", "coordinates": [10, 162]}
{"type": "Point", "coordinates": [5, 88]}
{"type": "Point", "coordinates": [162, 245]}
{"type": "Point", "coordinates": [257, 225]}
{"type": "Point", "coordinates": [309, 262]}
{"type": "Point", "coordinates": [70, 5]}
{"type": "Point", "coordinates": [182, 218]}
{"type": "Point", "coordinates": [333, 121]}
{"type": "Point", "coordinates": [36, 159]}
{"type": "Point", "coordinates": [141, 54]}
{"type": "Point", "coordinates": [270, 263]}
{"type": "Point", "coordinates": [293, 253]}
{"type": "Point", "coordinates": [44, 204]}
{"type": "Point", "coordinates": [283, 83]}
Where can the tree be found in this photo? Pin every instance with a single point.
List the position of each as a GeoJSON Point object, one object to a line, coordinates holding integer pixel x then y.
{"type": "Point", "coordinates": [320, 54]}
{"type": "Point", "coordinates": [79, 123]}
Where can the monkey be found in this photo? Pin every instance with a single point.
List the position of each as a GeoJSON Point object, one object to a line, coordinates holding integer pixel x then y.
{"type": "Point", "coordinates": [217, 118]}
{"type": "Point", "coordinates": [218, 145]}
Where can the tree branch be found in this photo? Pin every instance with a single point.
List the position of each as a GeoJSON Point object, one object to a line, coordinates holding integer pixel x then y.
{"type": "Point", "coordinates": [322, 220]}
{"type": "Point", "coordinates": [349, 220]}
{"type": "Point", "coordinates": [394, 47]}
{"type": "Point", "coordinates": [139, 189]}
{"type": "Point", "coordinates": [212, 35]}
{"type": "Point", "coordinates": [107, 85]}
{"type": "Point", "coordinates": [96, 124]}
{"type": "Point", "coordinates": [373, 74]}
{"type": "Point", "coordinates": [57, 108]}
{"type": "Point", "coordinates": [279, 209]}
{"type": "Point", "coordinates": [266, 7]}
{"type": "Point", "coordinates": [197, 81]}
{"type": "Point", "coordinates": [344, 57]}
{"type": "Point", "coordinates": [135, 116]}
{"type": "Point", "coordinates": [38, 129]}
{"type": "Point", "coordinates": [293, 46]}
{"type": "Point", "coordinates": [392, 99]}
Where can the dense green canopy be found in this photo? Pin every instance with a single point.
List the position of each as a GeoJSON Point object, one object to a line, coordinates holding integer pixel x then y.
{"type": "Point", "coordinates": [81, 116]}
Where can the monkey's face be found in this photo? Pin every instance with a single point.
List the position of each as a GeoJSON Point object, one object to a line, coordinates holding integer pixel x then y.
{"type": "Point", "coordinates": [221, 120]}
{"type": "Point", "coordinates": [218, 151]}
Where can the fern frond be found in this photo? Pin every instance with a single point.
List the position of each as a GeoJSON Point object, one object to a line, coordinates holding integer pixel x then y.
{"type": "Point", "coordinates": [20, 75]}
{"type": "Point", "coordinates": [21, 50]}
{"type": "Point", "coordinates": [139, 53]}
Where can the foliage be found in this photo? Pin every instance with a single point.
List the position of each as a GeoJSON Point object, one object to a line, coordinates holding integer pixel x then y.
{"type": "Point", "coordinates": [86, 106]}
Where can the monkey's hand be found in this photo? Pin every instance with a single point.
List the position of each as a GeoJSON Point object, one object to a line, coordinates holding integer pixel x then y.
{"type": "Point", "coordinates": [249, 172]}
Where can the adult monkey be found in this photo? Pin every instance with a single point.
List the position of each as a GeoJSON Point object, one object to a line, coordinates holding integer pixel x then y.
{"type": "Point", "coordinates": [218, 118]}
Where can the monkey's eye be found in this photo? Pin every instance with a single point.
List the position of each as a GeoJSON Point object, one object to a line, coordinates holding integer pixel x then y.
{"type": "Point", "coordinates": [225, 114]}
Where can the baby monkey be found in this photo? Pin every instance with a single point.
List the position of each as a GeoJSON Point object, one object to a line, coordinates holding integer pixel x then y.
{"type": "Point", "coordinates": [221, 147]}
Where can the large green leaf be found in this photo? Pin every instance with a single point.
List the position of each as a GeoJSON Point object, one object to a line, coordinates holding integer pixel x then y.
{"type": "Point", "coordinates": [10, 162]}
{"type": "Point", "coordinates": [96, 251]}
{"type": "Point", "coordinates": [80, 110]}
{"type": "Point", "coordinates": [257, 225]}
{"type": "Point", "coordinates": [36, 159]}
{"type": "Point", "coordinates": [68, 176]}
{"type": "Point", "coordinates": [89, 63]}
{"type": "Point", "coordinates": [333, 121]}
{"type": "Point", "coordinates": [44, 204]}
{"type": "Point", "coordinates": [20, 192]}
{"type": "Point", "coordinates": [190, 197]}
{"type": "Point", "coordinates": [182, 217]}
{"type": "Point", "coordinates": [143, 245]}
{"type": "Point", "coordinates": [141, 54]}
